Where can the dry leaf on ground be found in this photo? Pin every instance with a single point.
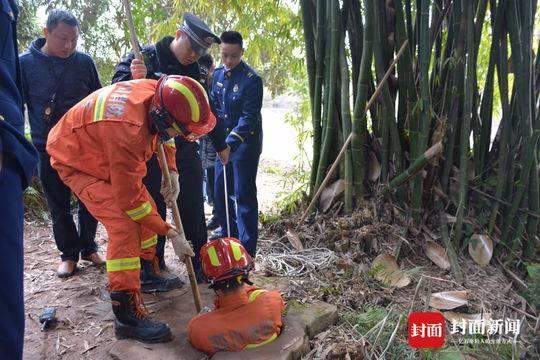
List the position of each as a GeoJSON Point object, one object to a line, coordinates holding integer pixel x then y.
{"type": "Point", "coordinates": [481, 249]}
{"type": "Point", "coordinates": [437, 254]}
{"type": "Point", "coordinates": [459, 317]}
{"type": "Point", "coordinates": [294, 239]}
{"type": "Point", "coordinates": [386, 270]}
{"type": "Point", "coordinates": [330, 194]}
{"type": "Point", "coordinates": [448, 300]}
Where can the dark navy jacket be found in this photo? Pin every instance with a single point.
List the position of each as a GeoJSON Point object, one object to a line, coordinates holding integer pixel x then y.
{"type": "Point", "coordinates": [159, 61]}
{"type": "Point", "coordinates": [41, 74]}
{"type": "Point", "coordinates": [10, 91]}
{"type": "Point", "coordinates": [13, 146]}
{"type": "Point", "coordinates": [236, 100]}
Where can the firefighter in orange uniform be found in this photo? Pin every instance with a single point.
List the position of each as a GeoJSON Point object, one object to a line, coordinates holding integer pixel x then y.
{"type": "Point", "coordinates": [244, 316]}
{"type": "Point", "coordinates": [100, 149]}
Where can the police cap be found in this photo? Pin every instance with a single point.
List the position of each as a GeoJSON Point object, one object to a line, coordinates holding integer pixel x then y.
{"type": "Point", "coordinates": [199, 34]}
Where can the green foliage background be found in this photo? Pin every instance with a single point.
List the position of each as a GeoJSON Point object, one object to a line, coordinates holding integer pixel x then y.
{"type": "Point", "coordinates": [272, 30]}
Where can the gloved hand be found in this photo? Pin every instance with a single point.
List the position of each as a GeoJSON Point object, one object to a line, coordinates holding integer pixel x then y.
{"type": "Point", "coordinates": [180, 245]}
{"type": "Point", "coordinates": [138, 69]}
{"type": "Point", "coordinates": [170, 193]}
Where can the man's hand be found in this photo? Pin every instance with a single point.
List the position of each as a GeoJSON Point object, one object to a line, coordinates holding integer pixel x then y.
{"type": "Point", "coordinates": [224, 155]}
{"type": "Point", "coordinates": [138, 69]}
{"type": "Point", "coordinates": [170, 194]}
{"type": "Point", "coordinates": [180, 244]}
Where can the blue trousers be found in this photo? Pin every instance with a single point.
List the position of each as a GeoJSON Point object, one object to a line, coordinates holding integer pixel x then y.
{"type": "Point", "coordinates": [11, 261]}
{"type": "Point", "coordinates": [242, 199]}
{"type": "Point", "coordinates": [69, 240]}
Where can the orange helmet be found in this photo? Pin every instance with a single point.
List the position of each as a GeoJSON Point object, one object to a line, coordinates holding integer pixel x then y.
{"type": "Point", "coordinates": [181, 102]}
{"type": "Point", "coordinates": [225, 258]}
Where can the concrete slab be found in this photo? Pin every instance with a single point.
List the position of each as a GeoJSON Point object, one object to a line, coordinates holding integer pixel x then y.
{"type": "Point", "coordinates": [290, 345]}
{"type": "Point", "coordinates": [316, 317]}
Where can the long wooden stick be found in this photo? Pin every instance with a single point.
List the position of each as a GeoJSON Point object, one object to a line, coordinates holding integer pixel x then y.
{"type": "Point", "coordinates": [167, 177]}
{"type": "Point", "coordinates": [180, 228]}
{"type": "Point", "coordinates": [349, 139]}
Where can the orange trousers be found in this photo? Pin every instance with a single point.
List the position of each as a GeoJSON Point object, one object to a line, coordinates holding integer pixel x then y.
{"type": "Point", "coordinates": [128, 240]}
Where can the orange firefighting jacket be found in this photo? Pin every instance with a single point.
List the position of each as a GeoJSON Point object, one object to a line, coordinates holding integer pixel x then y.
{"type": "Point", "coordinates": [248, 318]}
{"type": "Point", "coordinates": [106, 136]}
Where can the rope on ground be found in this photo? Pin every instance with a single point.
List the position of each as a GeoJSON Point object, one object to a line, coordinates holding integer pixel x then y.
{"type": "Point", "coordinates": [281, 260]}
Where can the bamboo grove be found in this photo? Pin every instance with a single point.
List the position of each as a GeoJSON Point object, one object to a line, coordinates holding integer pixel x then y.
{"type": "Point", "coordinates": [430, 128]}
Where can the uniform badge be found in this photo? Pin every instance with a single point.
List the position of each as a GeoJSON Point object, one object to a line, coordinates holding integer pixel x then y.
{"type": "Point", "coordinates": [235, 88]}
{"type": "Point", "coordinates": [219, 84]}
{"type": "Point", "coordinates": [250, 74]}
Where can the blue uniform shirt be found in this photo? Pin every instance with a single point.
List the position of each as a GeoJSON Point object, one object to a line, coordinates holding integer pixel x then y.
{"type": "Point", "coordinates": [236, 100]}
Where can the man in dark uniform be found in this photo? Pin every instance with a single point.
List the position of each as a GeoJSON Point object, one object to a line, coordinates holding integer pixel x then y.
{"type": "Point", "coordinates": [178, 55]}
{"type": "Point", "coordinates": [236, 99]}
{"type": "Point", "coordinates": [18, 160]}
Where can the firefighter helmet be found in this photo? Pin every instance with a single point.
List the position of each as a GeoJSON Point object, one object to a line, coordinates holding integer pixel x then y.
{"type": "Point", "coordinates": [225, 258]}
{"type": "Point", "coordinates": [181, 102]}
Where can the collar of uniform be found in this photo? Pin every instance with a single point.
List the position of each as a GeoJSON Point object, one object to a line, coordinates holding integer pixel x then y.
{"type": "Point", "coordinates": [164, 53]}
{"type": "Point", "coordinates": [235, 70]}
{"type": "Point", "coordinates": [233, 300]}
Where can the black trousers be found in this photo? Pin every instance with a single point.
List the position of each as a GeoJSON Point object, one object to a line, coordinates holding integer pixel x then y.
{"type": "Point", "coordinates": [71, 240]}
{"type": "Point", "coordinates": [190, 200]}
{"type": "Point", "coordinates": [209, 185]}
{"type": "Point", "coordinates": [11, 260]}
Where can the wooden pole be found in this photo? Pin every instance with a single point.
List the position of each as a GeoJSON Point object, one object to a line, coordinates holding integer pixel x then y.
{"type": "Point", "coordinates": [167, 177]}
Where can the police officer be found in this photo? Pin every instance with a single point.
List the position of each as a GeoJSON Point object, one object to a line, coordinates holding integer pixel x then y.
{"type": "Point", "coordinates": [236, 99]}
{"type": "Point", "coordinates": [178, 55]}
{"type": "Point", "coordinates": [18, 159]}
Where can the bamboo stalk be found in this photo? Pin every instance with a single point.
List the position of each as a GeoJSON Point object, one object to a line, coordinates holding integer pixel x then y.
{"type": "Point", "coordinates": [456, 94]}
{"type": "Point", "coordinates": [425, 105]}
{"type": "Point", "coordinates": [359, 123]}
{"type": "Point", "coordinates": [534, 192]}
{"type": "Point", "coordinates": [386, 117]}
{"type": "Point", "coordinates": [504, 153]}
{"type": "Point", "coordinates": [317, 91]}
{"type": "Point", "coordinates": [332, 69]}
{"type": "Point", "coordinates": [309, 38]}
{"type": "Point", "coordinates": [521, 44]}
{"type": "Point", "coordinates": [346, 125]}
{"type": "Point", "coordinates": [465, 127]}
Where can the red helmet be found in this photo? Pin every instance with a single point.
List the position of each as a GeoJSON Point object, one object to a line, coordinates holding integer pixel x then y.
{"type": "Point", "coordinates": [181, 102]}
{"type": "Point", "coordinates": [224, 259]}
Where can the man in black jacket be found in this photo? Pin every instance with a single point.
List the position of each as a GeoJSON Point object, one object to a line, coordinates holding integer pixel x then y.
{"type": "Point", "coordinates": [55, 76]}
{"type": "Point", "coordinates": [177, 55]}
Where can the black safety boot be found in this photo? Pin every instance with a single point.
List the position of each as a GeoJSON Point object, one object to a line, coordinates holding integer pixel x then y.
{"type": "Point", "coordinates": [153, 281]}
{"type": "Point", "coordinates": [132, 321]}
